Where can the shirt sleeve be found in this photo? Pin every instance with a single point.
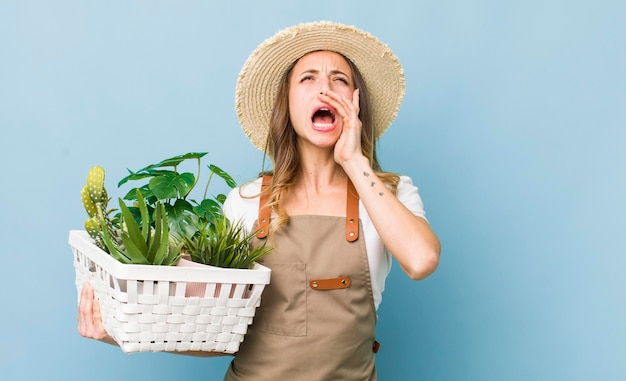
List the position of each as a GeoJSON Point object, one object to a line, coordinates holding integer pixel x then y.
{"type": "Point", "coordinates": [242, 204]}
{"type": "Point", "coordinates": [408, 195]}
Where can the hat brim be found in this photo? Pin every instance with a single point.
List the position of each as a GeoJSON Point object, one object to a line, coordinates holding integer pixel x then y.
{"type": "Point", "coordinates": [259, 79]}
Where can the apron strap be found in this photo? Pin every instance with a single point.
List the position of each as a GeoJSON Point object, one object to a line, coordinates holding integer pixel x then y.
{"type": "Point", "coordinates": [352, 210]}
{"type": "Point", "coordinates": [352, 213]}
{"type": "Point", "coordinates": [264, 210]}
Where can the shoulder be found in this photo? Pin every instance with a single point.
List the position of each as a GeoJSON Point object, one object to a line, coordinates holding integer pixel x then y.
{"type": "Point", "coordinates": [249, 189]}
{"type": "Point", "coordinates": [242, 203]}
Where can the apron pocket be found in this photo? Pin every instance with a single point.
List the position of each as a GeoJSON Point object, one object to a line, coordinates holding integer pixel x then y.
{"type": "Point", "coordinates": [283, 304]}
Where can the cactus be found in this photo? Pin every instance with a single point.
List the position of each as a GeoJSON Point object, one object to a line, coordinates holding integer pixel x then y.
{"type": "Point", "coordinates": [89, 205]}
{"type": "Point", "coordinates": [95, 200]}
{"type": "Point", "coordinates": [92, 225]}
{"type": "Point", "coordinates": [95, 185]}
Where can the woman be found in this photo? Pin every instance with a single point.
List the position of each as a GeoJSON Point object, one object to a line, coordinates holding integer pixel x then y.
{"type": "Point", "coordinates": [315, 97]}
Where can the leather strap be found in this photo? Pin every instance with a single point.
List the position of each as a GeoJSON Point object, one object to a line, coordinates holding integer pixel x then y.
{"type": "Point", "coordinates": [352, 210]}
{"type": "Point", "coordinates": [352, 213]}
{"type": "Point", "coordinates": [330, 283]}
{"type": "Point", "coordinates": [264, 210]}
{"type": "Point", "coordinates": [376, 346]}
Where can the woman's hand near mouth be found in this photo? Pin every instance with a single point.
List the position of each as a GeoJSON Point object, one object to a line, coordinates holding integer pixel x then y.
{"type": "Point", "coordinates": [348, 145]}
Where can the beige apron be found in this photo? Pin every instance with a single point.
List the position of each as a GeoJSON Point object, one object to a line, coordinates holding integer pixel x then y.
{"type": "Point", "coordinates": [317, 316]}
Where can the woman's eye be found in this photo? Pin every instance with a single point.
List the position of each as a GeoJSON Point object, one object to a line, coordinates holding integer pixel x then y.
{"type": "Point", "coordinates": [342, 79]}
{"type": "Point", "coordinates": [306, 78]}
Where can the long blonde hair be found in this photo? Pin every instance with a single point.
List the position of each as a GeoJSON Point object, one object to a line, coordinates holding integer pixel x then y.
{"type": "Point", "coordinates": [282, 147]}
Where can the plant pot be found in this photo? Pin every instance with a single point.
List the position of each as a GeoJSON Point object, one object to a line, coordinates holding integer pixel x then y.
{"type": "Point", "coordinates": [196, 288]}
{"type": "Point", "coordinates": [147, 308]}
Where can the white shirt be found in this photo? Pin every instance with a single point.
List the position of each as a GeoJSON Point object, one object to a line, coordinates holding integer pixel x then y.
{"type": "Point", "coordinates": [246, 209]}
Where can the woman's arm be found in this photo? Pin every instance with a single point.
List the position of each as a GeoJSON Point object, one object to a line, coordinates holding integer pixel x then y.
{"type": "Point", "coordinates": [408, 238]}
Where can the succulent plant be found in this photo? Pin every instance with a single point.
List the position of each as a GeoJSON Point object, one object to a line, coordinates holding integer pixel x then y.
{"type": "Point", "coordinates": [223, 243]}
{"type": "Point", "coordinates": [143, 245]}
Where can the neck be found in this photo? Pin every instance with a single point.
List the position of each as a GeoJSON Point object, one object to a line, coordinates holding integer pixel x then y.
{"type": "Point", "coordinates": [318, 170]}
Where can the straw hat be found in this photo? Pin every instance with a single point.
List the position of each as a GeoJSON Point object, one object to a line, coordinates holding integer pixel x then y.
{"type": "Point", "coordinates": [260, 76]}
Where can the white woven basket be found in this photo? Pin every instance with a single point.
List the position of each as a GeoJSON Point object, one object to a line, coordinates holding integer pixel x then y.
{"type": "Point", "coordinates": [144, 308]}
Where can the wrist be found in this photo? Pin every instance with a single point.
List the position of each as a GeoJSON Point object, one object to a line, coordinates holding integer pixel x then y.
{"type": "Point", "coordinates": [355, 165]}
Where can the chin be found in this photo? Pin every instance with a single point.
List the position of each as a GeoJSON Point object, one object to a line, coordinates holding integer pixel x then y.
{"type": "Point", "coordinates": [322, 143]}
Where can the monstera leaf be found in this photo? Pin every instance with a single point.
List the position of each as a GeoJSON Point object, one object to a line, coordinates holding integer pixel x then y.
{"type": "Point", "coordinates": [172, 185]}
{"type": "Point", "coordinates": [152, 170]}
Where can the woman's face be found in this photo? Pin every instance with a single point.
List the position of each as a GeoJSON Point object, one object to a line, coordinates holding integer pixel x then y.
{"type": "Point", "coordinates": [314, 121]}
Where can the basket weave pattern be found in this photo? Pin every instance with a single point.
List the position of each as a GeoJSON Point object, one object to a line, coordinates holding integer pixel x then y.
{"type": "Point", "coordinates": [144, 308]}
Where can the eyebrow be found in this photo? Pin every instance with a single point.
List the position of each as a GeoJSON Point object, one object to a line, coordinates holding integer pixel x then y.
{"type": "Point", "coordinates": [315, 71]}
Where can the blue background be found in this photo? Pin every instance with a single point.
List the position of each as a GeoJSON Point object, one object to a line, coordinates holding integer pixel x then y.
{"type": "Point", "coordinates": [513, 126]}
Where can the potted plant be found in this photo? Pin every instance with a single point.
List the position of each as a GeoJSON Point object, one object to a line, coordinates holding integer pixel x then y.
{"type": "Point", "coordinates": [128, 254]}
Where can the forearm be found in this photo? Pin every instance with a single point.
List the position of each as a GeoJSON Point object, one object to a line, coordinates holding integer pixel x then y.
{"type": "Point", "coordinates": [409, 238]}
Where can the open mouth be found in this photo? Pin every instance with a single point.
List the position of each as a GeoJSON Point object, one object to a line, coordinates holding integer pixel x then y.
{"type": "Point", "coordinates": [323, 118]}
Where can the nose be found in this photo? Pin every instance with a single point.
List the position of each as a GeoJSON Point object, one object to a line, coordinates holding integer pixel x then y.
{"type": "Point", "coordinates": [324, 85]}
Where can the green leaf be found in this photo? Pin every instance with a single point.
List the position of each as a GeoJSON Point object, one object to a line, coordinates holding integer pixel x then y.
{"type": "Point", "coordinates": [134, 233]}
{"type": "Point", "coordinates": [136, 255]}
{"type": "Point", "coordinates": [132, 176]}
{"type": "Point", "coordinates": [146, 192]}
{"type": "Point", "coordinates": [176, 160]}
{"type": "Point", "coordinates": [181, 219]}
{"type": "Point", "coordinates": [142, 174]}
{"type": "Point", "coordinates": [187, 182]}
{"type": "Point", "coordinates": [172, 185]}
{"type": "Point", "coordinates": [221, 198]}
{"type": "Point", "coordinates": [144, 216]}
{"type": "Point", "coordinates": [225, 176]}
{"type": "Point", "coordinates": [153, 243]}
{"type": "Point", "coordinates": [161, 236]}
{"type": "Point", "coordinates": [209, 209]}
{"type": "Point", "coordinates": [225, 244]}
{"type": "Point", "coordinates": [172, 256]}
{"type": "Point", "coordinates": [152, 169]}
